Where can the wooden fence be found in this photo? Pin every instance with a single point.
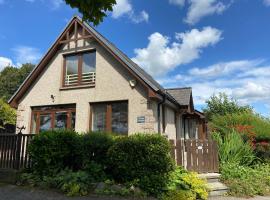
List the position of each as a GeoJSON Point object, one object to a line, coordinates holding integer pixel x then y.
{"type": "Point", "coordinates": [13, 151]}
{"type": "Point", "coordinates": [196, 155]}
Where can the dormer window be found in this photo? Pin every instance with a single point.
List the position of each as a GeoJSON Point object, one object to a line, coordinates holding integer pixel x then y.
{"type": "Point", "coordinates": [79, 69]}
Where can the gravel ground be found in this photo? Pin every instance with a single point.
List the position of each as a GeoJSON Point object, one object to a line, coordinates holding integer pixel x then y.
{"type": "Point", "coordinates": [13, 192]}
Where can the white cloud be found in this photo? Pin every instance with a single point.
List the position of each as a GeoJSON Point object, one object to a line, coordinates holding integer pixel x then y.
{"type": "Point", "coordinates": [4, 62]}
{"type": "Point", "coordinates": [124, 8]}
{"type": "Point", "coordinates": [245, 80]}
{"type": "Point", "coordinates": [266, 2]}
{"type": "Point", "coordinates": [201, 8]}
{"type": "Point", "coordinates": [143, 16]}
{"type": "Point", "coordinates": [26, 54]}
{"type": "Point", "coordinates": [177, 2]}
{"type": "Point", "coordinates": [161, 56]}
{"type": "Point", "coordinates": [224, 68]}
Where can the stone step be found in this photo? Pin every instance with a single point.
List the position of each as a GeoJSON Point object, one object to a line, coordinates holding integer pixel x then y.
{"type": "Point", "coordinates": [217, 189]}
{"type": "Point", "coordinates": [218, 193]}
{"type": "Point", "coordinates": [217, 186]}
{"type": "Point", "coordinates": [210, 177]}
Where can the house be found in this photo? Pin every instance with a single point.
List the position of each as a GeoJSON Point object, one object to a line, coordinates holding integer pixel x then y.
{"type": "Point", "coordinates": [86, 83]}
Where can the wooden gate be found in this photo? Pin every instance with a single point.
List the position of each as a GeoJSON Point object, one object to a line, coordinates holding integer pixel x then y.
{"type": "Point", "coordinates": [196, 155]}
{"type": "Point", "coordinates": [13, 151]}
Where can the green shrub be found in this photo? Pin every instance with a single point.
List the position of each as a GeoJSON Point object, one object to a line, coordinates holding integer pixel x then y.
{"type": "Point", "coordinates": [179, 195]}
{"type": "Point", "coordinates": [53, 151]}
{"type": "Point", "coordinates": [142, 157]}
{"type": "Point", "coordinates": [246, 181]}
{"type": "Point", "coordinates": [233, 149]}
{"type": "Point", "coordinates": [262, 150]}
{"type": "Point", "coordinates": [259, 125]}
{"type": "Point", "coordinates": [182, 180]}
{"type": "Point", "coordinates": [74, 183]}
{"type": "Point", "coordinates": [96, 146]}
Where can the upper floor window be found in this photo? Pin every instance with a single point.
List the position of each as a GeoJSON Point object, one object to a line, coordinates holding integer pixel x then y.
{"type": "Point", "coordinates": [80, 69]}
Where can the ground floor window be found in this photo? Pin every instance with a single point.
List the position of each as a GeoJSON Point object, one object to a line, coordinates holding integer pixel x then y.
{"type": "Point", "coordinates": [110, 117]}
{"type": "Point", "coordinates": [53, 117]}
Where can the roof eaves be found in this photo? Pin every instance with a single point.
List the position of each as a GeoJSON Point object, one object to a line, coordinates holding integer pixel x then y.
{"type": "Point", "coordinates": [27, 78]}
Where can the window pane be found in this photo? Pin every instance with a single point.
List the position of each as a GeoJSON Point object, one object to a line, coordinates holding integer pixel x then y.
{"type": "Point", "coordinates": [71, 70]}
{"type": "Point", "coordinates": [89, 62]}
{"type": "Point", "coordinates": [99, 117]}
{"type": "Point", "coordinates": [60, 120]}
{"type": "Point", "coordinates": [120, 118]}
{"type": "Point", "coordinates": [73, 120]}
{"type": "Point", "coordinates": [45, 122]}
{"type": "Point", "coordinates": [88, 67]}
{"type": "Point", "coordinates": [34, 124]}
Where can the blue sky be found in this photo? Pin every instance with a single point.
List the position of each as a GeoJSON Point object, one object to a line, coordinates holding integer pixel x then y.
{"type": "Point", "coordinates": [211, 45]}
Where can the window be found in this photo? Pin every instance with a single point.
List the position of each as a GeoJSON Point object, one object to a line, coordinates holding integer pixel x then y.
{"type": "Point", "coordinates": [110, 117]}
{"type": "Point", "coordinates": [80, 69]}
{"type": "Point", "coordinates": [56, 117]}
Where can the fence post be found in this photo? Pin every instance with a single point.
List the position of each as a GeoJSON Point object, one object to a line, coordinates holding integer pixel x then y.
{"type": "Point", "coordinates": [18, 148]}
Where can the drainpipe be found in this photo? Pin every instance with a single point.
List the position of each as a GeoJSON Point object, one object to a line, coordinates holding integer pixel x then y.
{"type": "Point", "coordinates": [158, 110]}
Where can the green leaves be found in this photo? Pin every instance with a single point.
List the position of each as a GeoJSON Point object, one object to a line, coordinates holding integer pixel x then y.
{"type": "Point", "coordinates": [93, 11]}
{"type": "Point", "coordinates": [142, 157]}
{"type": "Point", "coordinates": [232, 149]}
{"type": "Point", "coordinates": [7, 114]}
{"type": "Point", "coordinates": [221, 104]}
{"type": "Point", "coordinates": [11, 78]}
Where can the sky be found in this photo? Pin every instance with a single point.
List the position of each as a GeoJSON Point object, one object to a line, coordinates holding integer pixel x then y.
{"type": "Point", "coordinates": [210, 45]}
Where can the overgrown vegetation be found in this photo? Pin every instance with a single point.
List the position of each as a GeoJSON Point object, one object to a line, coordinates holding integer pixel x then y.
{"type": "Point", "coordinates": [137, 166]}
{"type": "Point", "coordinates": [233, 149]}
{"type": "Point", "coordinates": [247, 180]}
{"type": "Point", "coordinates": [185, 185]}
{"type": "Point", "coordinates": [243, 138]}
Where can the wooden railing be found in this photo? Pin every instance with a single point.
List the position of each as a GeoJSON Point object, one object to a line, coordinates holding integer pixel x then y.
{"type": "Point", "coordinates": [14, 151]}
{"type": "Point", "coordinates": [196, 155]}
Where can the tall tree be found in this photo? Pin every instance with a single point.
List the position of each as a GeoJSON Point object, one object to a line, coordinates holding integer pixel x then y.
{"type": "Point", "coordinates": [7, 114]}
{"type": "Point", "coordinates": [93, 11]}
{"type": "Point", "coordinates": [221, 104]}
{"type": "Point", "coordinates": [11, 78]}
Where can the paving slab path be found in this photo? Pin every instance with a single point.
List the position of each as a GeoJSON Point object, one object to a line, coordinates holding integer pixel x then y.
{"type": "Point", "coordinates": [235, 198]}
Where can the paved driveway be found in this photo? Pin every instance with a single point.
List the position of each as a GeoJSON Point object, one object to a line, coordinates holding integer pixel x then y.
{"type": "Point", "coordinates": [24, 193]}
{"type": "Point", "coordinates": [8, 192]}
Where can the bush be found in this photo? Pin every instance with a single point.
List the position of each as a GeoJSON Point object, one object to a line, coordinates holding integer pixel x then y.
{"type": "Point", "coordinates": [96, 146]}
{"type": "Point", "coordinates": [246, 181]}
{"type": "Point", "coordinates": [181, 180]}
{"type": "Point", "coordinates": [74, 183]}
{"type": "Point", "coordinates": [246, 123]}
{"type": "Point", "coordinates": [179, 195]}
{"type": "Point", "coordinates": [262, 150]}
{"type": "Point", "coordinates": [141, 157]}
{"type": "Point", "coordinates": [233, 149]}
{"type": "Point", "coordinates": [53, 151]}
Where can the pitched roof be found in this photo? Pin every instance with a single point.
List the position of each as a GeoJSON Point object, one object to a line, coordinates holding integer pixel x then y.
{"type": "Point", "coordinates": [139, 72]}
{"type": "Point", "coordinates": [181, 95]}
